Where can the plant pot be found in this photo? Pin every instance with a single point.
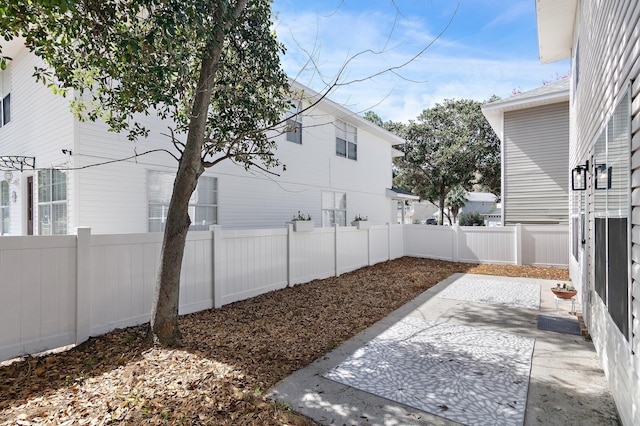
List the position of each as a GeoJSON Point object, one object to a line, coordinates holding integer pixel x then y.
{"type": "Point", "coordinates": [303, 225]}
{"type": "Point", "coordinates": [564, 294]}
{"type": "Point", "coordinates": [361, 224]}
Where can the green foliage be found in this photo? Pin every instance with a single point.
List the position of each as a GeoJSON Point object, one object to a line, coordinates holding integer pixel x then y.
{"type": "Point", "coordinates": [373, 117]}
{"type": "Point", "coordinates": [455, 200]}
{"type": "Point", "coordinates": [470, 219]}
{"type": "Point", "coordinates": [127, 59]}
{"type": "Point", "coordinates": [450, 144]}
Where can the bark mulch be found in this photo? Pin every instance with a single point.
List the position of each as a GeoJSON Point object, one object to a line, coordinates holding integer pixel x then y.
{"type": "Point", "coordinates": [230, 356]}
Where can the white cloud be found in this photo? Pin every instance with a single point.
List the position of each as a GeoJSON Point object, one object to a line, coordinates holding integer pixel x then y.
{"type": "Point", "coordinates": [445, 71]}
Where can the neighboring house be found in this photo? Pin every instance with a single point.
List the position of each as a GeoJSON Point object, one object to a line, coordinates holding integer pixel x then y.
{"type": "Point", "coordinates": [337, 165]}
{"type": "Point", "coordinates": [480, 202]}
{"type": "Point", "coordinates": [402, 207]}
{"type": "Point", "coordinates": [602, 40]}
{"type": "Point", "coordinates": [534, 130]}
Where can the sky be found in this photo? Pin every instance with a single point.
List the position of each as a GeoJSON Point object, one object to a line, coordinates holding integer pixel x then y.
{"type": "Point", "coordinates": [474, 49]}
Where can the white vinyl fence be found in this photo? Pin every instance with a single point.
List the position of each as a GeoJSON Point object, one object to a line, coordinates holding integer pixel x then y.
{"type": "Point", "coordinates": [59, 290]}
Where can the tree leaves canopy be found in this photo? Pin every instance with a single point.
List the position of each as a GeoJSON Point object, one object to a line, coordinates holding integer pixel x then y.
{"type": "Point", "coordinates": [447, 145]}
{"type": "Point", "coordinates": [123, 58]}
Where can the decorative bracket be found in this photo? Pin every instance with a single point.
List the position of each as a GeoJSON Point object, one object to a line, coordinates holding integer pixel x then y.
{"type": "Point", "coordinates": [17, 162]}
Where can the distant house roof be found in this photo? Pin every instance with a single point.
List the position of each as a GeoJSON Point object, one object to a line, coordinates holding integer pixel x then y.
{"type": "Point", "coordinates": [554, 92]}
{"type": "Point", "coordinates": [481, 197]}
{"type": "Point", "coordinates": [401, 194]}
{"type": "Point", "coordinates": [556, 21]}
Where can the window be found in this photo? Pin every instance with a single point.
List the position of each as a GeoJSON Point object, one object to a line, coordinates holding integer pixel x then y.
{"type": "Point", "coordinates": [5, 95]}
{"type": "Point", "coordinates": [294, 125]}
{"type": "Point", "coordinates": [4, 208]}
{"type": "Point", "coordinates": [52, 202]}
{"type": "Point", "coordinates": [611, 153]}
{"type": "Point", "coordinates": [346, 140]}
{"type": "Point", "coordinates": [334, 208]}
{"type": "Point", "coordinates": [203, 205]}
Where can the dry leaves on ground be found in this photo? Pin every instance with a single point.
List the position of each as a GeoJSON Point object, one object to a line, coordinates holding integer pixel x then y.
{"type": "Point", "coordinates": [229, 358]}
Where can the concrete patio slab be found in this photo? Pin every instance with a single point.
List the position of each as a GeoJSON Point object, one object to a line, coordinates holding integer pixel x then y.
{"type": "Point", "coordinates": [567, 384]}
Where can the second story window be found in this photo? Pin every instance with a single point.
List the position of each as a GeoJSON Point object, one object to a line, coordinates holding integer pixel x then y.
{"type": "Point", "coordinates": [294, 125]}
{"type": "Point", "coordinates": [5, 96]}
{"type": "Point", "coordinates": [346, 140]}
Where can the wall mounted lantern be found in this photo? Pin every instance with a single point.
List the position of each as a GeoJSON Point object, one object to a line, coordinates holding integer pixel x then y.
{"type": "Point", "coordinates": [8, 177]}
{"type": "Point", "coordinates": [603, 176]}
{"type": "Point", "coordinates": [579, 177]}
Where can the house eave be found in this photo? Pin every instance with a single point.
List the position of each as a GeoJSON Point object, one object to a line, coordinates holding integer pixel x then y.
{"type": "Point", "coordinates": [11, 47]}
{"type": "Point", "coordinates": [494, 112]}
{"type": "Point", "coordinates": [394, 194]}
{"type": "Point", "coordinates": [342, 113]}
{"type": "Point", "coordinates": [556, 21]}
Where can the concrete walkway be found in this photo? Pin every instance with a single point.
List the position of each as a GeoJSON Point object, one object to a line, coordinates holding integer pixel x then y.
{"type": "Point", "coordinates": [567, 385]}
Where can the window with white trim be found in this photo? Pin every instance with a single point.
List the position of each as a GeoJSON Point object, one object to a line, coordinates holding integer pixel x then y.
{"type": "Point", "coordinates": [5, 96]}
{"type": "Point", "coordinates": [334, 208]}
{"type": "Point", "coordinates": [203, 205]}
{"type": "Point", "coordinates": [294, 125]}
{"type": "Point", "coordinates": [4, 208]}
{"type": "Point", "coordinates": [52, 202]}
{"type": "Point", "coordinates": [346, 140]}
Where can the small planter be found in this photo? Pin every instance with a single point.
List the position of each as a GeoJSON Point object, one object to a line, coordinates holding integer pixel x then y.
{"type": "Point", "coordinates": [566, 294]}
{"type": "Point", "coordinates": [302, 225]}
{"type": "Point", "coordinates": [361, 224]}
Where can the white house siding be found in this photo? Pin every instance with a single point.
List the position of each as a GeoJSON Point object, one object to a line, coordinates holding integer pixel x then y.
{"type": "Point", "coordinates": [535, 165]}
{"type": "Point", "coordinates": [257, 199]}
{"type": "Point", "coordinates": [608, 36]}
{"type": "Point", "coordinates": [40, 127]}
{"type": "Point", "coordinates": [112, 198]}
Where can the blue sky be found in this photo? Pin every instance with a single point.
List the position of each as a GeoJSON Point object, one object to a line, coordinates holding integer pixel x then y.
{"type": "Point", "coordinates": [489, 47]}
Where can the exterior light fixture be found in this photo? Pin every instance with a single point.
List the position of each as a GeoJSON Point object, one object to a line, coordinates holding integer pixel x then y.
{"type": "Point", "coordinates": [579, 177]}
{"type": "Point", "coordinates": [8, 177]}
{"type": "Point", "coordinates": [603, 176]}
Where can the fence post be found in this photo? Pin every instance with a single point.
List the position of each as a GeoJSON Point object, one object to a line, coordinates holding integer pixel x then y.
{"type": "Point", "coordinates": [289, 252]}
{"type": "Point", "coordinates": [369, 246]}
{"type": "Point", "coordinates": [455, 242]}
{"type": "Point", "coordinates": [336, 249]}
{"type": "Point", "coordinates": [216, 251]}
{"type": "Point", "coordinates": [389, 240]}
{"type": "Point", "coordinates": [83, 284]}
{"type": "Point", "coordinates": [518, 244]}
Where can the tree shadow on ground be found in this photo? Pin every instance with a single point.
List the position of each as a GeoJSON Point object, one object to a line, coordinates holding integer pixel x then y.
{"type": "Point", "coordinates": [254, 344]}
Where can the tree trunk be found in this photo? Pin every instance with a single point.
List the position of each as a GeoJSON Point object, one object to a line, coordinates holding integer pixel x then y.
{"type": "Point", "coordinates": [163, 328]}
{"type": "Point", "coordinates": [441, 205]}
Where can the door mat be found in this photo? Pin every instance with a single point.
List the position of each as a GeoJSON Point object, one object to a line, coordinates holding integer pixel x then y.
{"type": "Point", "coordinates": [493, 292]}
{"type": "Point", "coordinates": [559, 325]}
{"type": "Point", "coordinates": [465, 374]}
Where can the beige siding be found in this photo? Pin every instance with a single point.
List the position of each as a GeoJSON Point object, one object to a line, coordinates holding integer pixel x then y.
{"type": "Point", "coordinates": [536, 153]}
{"type": "Point", "coordinates": [609, 60]}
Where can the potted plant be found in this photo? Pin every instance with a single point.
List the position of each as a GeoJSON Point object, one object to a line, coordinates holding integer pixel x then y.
{"type": "Point", "coordinates": [362, 222]}
{"type": "Point", "coordinates": [302, 223]}
{"type": "Point", "coordinates": [564, 291]}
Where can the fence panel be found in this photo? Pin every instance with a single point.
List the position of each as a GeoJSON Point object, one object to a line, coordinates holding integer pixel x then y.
{"type": "Point", "coordinates": [37, 284]}
{"type": "Point", "coordinates": [396, 243]}
{"type": "Point", "coordinates": [544, 245]}
{"type": "Point", "coordinates": [486, 245]}
{"type": "Point", "coordinates": [353, 249]}
{"type": "Point", "coordinates": [312, 255]}
{"type": "Point", "coordinates": [432, 241]}
{"type": "Point", "coordinates": [123, 273]}
{"type": "Point", "coordinates": [196, 277]}
{"type": "Point", "coordinates": [253, 262]}
{"type": "Point", "coordinates": [379, 244]}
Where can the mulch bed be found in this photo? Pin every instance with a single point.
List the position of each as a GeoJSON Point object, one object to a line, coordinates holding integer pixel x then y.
{"type": "Point", "coordinates": [230, 357]}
